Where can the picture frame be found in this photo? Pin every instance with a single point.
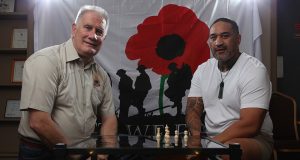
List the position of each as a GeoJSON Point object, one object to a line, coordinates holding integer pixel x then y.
{"type": "Point", "coordinates": [7, 5]}
{"type": "Point", "coordinates": [12, 109]}
{"type": "Point", "coordinates": [17, 70]}
{"type": "Point", "coordinates": [19, 38]}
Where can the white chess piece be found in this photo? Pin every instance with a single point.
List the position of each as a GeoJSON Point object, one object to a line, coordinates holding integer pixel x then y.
{"type": "Point", "coordinates": [167, 132]}
{"type": "Point", "coordinates": [185, 137]}
{"type": "Point", "coordinates": [167, 141]}
{"type": "Point", "coordinates": [167, 135]}
{"type": "Point", "coordinates": [176, 137]}
{"type": "Point", "coordinates": [158, 137]}
{"type": "Point", "coordinates": [166, 128]}
{"type": "Point", "coordinates": [157, 133]}
{"type": "Point", "coordinates": [158, 142]}
{"type": "Point", "coordinates": [167, 145]}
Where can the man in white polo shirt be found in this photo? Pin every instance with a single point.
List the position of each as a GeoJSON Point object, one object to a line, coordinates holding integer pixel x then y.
{"type": "Point", "coordinates": [234, 90]}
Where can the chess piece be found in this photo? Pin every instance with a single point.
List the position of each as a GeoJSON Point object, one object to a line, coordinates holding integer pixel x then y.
{"type": "Point", "coordinates": [176, 137]}
{"type": "Point", "coordinates": [167, 136]}
{"type": "Point", "coordinates": [167, 129]}
{"type": "Point", "coordinates": [158, 142]}
{"type": "Point", "coordinates": [185, 137]}
{"type": "Point", "coordinates": [167, 145]}
{"type": "Point", "coordinates": [157, 133]}
{"type": "Point", "coordinates": [167, 132]}
{"type": "Point", "coordinates": [167, 141]}
{"type": "Point", "coordinates": [158, 137]}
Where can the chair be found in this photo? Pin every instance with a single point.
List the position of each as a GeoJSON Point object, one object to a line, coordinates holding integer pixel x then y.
{"type": "Point", "coordinates": [283, 110]}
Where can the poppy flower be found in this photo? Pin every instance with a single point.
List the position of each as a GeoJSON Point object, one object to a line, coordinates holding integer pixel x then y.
{"type": "Point", "coordinates": [174, 36]}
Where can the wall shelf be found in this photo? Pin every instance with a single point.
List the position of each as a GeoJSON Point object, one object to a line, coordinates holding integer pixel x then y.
{"type": "Point", "coordinates": [13, 51]}
{"type": "Point", "coordinates": [10, 120]}
{"type": "Point", "coordinates": [21, 18]}
{"type": "Point", "coordinates": [13, 16]}
{"type": "Point", "coordinates": [17, 85]}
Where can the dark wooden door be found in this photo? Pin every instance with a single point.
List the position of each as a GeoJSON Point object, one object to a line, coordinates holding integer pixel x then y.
{"type": "Point", "coordinates": [288, 32]}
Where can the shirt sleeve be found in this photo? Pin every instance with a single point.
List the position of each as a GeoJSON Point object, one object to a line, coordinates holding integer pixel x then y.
{"type": "Point", "coordinates": [39, 84]}
{"type": "Point", "coordinates": [256, 89]}
{"type": "Point", "coordinates": [106, 106]}
{"type": "Point", "coordinates": [195, 90]}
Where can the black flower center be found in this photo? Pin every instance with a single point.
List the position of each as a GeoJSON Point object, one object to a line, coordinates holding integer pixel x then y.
{"type": "Point", "coordinates": [170, 47]}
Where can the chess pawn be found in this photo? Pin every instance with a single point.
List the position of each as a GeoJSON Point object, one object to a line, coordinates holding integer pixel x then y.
{"type": "Point", "coordinates": [185, 137]}
{"type": "Point", "coordinates": [176, 137]}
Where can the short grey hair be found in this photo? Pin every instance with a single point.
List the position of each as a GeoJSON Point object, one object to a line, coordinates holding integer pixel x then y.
{"type": "Point", "coordinates": [102, 12]}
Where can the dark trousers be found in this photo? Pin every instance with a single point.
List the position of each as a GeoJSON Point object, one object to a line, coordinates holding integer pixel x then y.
{"type": "Point", "coordinates": [30, 149]}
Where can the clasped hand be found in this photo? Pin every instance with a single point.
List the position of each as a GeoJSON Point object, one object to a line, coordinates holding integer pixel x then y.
{"type": "Point", "coordinates": [194, 141]}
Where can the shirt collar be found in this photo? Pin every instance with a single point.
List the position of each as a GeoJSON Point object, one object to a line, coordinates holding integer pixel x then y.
{"type": "Point", "coordinates": [73, 55]}
{"type": "Point", "coordinates": [71, 51]}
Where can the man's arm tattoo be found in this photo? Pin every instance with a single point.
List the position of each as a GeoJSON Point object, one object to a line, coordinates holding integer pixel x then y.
{"type": "Point", "coordinates": [194, 110]}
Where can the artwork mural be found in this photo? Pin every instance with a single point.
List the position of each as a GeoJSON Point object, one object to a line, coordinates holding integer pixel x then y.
{"type": "Point", "coordinates": [171, 44]}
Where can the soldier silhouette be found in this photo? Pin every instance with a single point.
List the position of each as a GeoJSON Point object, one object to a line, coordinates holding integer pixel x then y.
{"type": "Point", "coordinates": [179, 81]}
{"type": "Point", "coordinates": [126, 91]}
{"type": "Point", "coordinates": [142, 86]}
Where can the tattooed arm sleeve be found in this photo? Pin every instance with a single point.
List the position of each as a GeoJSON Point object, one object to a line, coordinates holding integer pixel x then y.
{"type": "Point", "coordinates": [193, 113]}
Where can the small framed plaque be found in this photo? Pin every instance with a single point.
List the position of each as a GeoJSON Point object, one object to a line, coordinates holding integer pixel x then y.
{"type": "Point", "coordinates": [12, 109]}
{"type": "Point", "coordinates": [19, 38]}
{"type": "Point", "coordinates": [17, 70]}
{"type": "Point", "coordinates": [7, 5]}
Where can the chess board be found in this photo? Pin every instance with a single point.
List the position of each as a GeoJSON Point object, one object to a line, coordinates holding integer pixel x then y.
{"type": "Point", "coordinates": [146, 145]}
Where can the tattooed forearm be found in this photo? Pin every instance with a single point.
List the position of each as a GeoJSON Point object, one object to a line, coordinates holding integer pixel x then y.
{"type": "Point", "coordinates": [194, 110]}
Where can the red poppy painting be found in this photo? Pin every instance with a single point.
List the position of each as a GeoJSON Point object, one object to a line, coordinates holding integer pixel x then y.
{"type": "Point", "coordinates": [175, 35]}
{"type": "Point", "coordinates": [173, 42]}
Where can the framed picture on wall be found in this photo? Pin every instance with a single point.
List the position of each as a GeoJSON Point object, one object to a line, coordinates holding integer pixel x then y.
{"type": "Point", "coordinates": [7, 5]}
{"type": "Point", "coordinates": [17, 70]}
{"type": "Point", "coordinates": [12, 109]}
{"type": "Point", "coordinates": [19, 38]}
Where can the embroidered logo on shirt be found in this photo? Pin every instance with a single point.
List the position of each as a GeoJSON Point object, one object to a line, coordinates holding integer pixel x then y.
{"type": "Point", "coordinates": [96, 83]}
